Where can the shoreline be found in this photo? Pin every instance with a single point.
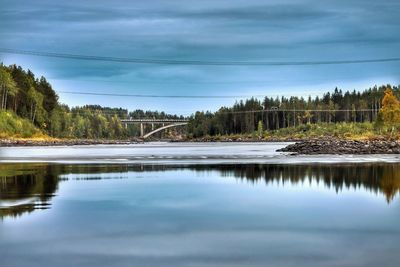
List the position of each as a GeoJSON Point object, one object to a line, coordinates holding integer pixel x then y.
{"type": "Point", "coordinates": [182, 154]}
{"type": "Point", "coordinates": [63, 142]}
{"type": "Point", "coordinates": [313, 146]}
{"type": "Point", "coordinates": [81, 142]}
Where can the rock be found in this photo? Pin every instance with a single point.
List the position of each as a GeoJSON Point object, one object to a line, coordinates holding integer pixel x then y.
{"type": "Point", "coordinates": [336, 146]}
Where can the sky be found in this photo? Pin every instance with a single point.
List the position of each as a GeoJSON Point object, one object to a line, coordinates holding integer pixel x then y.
{"type": "Point", "coordinates": [207, 30]}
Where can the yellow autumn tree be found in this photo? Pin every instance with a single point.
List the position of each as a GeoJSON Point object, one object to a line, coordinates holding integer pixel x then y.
{"type": "Point", "coordinates": [390, 109]}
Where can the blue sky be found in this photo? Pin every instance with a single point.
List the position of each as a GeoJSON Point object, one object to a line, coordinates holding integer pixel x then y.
{"type": "Point", "coordinates": [251, 30]}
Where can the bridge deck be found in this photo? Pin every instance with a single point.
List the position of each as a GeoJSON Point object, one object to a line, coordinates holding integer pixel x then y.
{"type": "Point", "coordinates": [154, 120]}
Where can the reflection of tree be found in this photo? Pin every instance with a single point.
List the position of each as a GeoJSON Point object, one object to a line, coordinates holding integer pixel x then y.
{"type": "Point", "coordinates": [26, 187]}
{"type": "Point", "coordinates": [378, 178]}
{"type": "Point", "coordinates": [390, 182]}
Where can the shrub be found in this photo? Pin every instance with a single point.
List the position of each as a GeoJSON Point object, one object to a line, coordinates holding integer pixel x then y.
{"type": "Point", "coordinates": [13, 126]}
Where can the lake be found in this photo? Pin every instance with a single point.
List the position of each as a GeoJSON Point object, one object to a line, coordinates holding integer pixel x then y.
{"type": "Point", "coordinates": [208, 205]}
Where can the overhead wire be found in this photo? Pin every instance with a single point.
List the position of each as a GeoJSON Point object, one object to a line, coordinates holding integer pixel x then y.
{"type": "Point", "coordinates": [196, 62]}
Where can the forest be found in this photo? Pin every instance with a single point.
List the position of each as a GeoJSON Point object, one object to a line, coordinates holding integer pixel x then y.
{"type": "Point", "coordinates": [28, 102]}
{"type": "Point", "coordinates": [273, 114]}
{"type": "Point", "coordinates": [29, 106]}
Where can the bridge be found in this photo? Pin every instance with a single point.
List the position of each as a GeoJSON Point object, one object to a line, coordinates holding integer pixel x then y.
{"type": "Point", "coordinates": [166, 123]}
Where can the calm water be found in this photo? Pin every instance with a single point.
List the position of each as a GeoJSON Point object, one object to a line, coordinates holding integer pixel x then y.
{"type": "Point", "coordinates": [199, 215]}
{"type": "Point", "coordinates": [173, 153]}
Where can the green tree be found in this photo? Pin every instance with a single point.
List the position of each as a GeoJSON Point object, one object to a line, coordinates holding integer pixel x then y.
{"type": "Point", "coordinates": [36, 104]}
{"type": "Point", "coordinates": [79, 127]}
{"type": "Point", "coordinates": [7, 86]}
{"type": "Point", "coordinates": [260, 129]}
{"type": "Point", "coordinates": [308, 116]}
{"type": "Point", "coordinates": [116, 128]}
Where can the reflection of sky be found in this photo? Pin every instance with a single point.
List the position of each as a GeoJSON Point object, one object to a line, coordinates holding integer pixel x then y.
{"type": "Point", "coordinates": [187, 218]}
{"type": "Point", "coordinates": [182, 153]}
{"type": "Point", "coordinates": [251, 30]}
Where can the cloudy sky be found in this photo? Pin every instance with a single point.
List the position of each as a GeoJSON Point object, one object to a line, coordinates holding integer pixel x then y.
{"type": "Point", "coordinates": [207, 30]}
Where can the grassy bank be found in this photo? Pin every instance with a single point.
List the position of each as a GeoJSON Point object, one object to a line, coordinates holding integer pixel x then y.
{"type": "Point", "coordinates": [339, 130]}
{"type": "Point", "coordinates": [14, 127]}
{"type": "Point", "coordinates": [350, 131]}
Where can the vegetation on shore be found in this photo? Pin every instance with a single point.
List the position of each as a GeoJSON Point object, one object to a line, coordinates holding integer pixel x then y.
{"type": "Point", "coordinates": [13, 126]}
{"type": "Point", "coordinates": [29, 108]}
{"type": "Point", "coordinates": [246, 117]}
{"type": "Point", "coordinates": [343, 130]}
{"type": "Point", "coordinates": [34, 100]}
{"type": "Point", "coordinates": [385, 125]}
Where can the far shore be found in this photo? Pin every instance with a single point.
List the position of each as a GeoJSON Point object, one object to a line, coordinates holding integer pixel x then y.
{"type": "Point", "coordinates": [18, 142]}
{"type": "Point", "coordinates": [307, 146]}
{"type": "Point", "coordinates": [79, 142]}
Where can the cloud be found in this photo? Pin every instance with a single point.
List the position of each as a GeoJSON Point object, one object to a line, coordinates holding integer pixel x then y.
{"type": "Point", "coordinates": [284, 30]}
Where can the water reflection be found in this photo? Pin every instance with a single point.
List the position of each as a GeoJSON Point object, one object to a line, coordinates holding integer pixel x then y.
{"type": "Point", "coordinates": [378, 178]}
{"type": "Point", "coordinates": [24, 188]}
{"type": "Point", "coordinates": [28, 187]}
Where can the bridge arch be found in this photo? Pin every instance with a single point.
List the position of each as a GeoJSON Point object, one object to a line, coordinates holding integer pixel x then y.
{"type": "Point", "coordinates": [169, 122]}
{"type": "Point", "coordinates": [163, 128]}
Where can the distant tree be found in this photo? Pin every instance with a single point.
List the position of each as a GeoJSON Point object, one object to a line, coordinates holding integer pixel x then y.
{"type": "Point", "coordinates": [390, 109]}
{"type": "Point", "coordinates": [7, 86]}
{"type": "Point", "coordinates": [260, 129]}
{"type": "Point", "coordinates": [57, 122]}
{"type": "Point", "coordinates": [36, 101]}
{"type": "Point", "coordinates": [50, 102]}
{"type": "Point", "coordinates": [116, 129]}
{"type": "Point", "coordinates": [79, 127]}
{"type": "Point", "coordinates": [379, 123]}
{"type": "Point", "coordinates": [308, 116]}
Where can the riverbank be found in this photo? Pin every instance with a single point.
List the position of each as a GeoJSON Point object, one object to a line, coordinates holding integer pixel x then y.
{"type": "Point", "coordinates": [64, 142]}
{"type": "Point", "coordinates": [167, 153]}
{"type": "Point", "coordinates": [239, 139]}
{"type": "Point", "coordinates": [78, 142]}
{"type": "Point", "coordinates": [305, 146]}
{"type": "Point", "coordinates": [338, 146]}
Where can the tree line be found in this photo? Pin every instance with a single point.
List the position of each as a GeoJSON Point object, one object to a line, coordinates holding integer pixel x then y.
{"type": "Point", "coordinates": [34, 99]}
{"type": "Point", "coordinates": [253, 115]}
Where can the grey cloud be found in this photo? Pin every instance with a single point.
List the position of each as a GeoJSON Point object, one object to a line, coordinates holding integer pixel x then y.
{"type": "Point", "coordinates": [281, 30]}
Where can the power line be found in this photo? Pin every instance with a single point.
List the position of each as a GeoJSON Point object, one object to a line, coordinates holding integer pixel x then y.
{"type": "Point", "coordinates": [222, 82]}
{"type": "Point", "coordinates": [182, 82]}
{"type": "Point", "coordinates": [296, 110]}
{"type": "Point", "coordinates": [190, 96]}
{"type": "Point", "coordinates": [196, 96]}
{"type": "Point", "coordinates": [242, 111]}
{"type": "Point", "coordinates": [195, 62]}
{"type": "Point", "coordinates": [158, 96]}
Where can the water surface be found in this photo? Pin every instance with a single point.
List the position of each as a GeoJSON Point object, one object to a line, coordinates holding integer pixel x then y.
{"type": "Point", "coordinates": [198, 215]}
{"type": "Point", "coordinates": [173, 153]}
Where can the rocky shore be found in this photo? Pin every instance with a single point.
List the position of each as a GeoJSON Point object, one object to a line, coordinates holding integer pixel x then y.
{"type": "Point", "coordinates": [336, 146]}
{"type": "Point", "coordinates": [242, 139]}
{"type": "Point", "coordinates": [64, 142]}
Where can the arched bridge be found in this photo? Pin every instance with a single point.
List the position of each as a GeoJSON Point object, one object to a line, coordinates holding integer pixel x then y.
{"type": "Point", "coordinates": [166, 123]}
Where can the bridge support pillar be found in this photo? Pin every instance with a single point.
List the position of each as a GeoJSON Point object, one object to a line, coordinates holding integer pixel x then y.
{"type": "Point", "coordinates": [141, 130]}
